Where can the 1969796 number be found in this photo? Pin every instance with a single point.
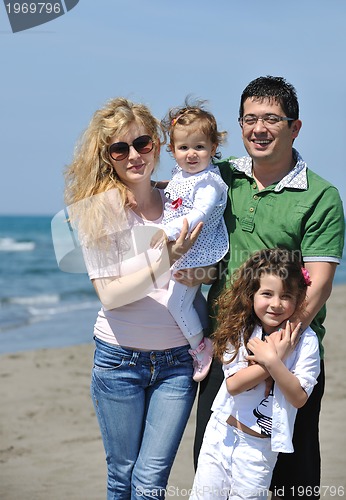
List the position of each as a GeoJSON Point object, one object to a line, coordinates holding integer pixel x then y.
{"type": "Point", "coordinates": [33, 8]}
{"type": "Point", "coordinates": [323, 491]}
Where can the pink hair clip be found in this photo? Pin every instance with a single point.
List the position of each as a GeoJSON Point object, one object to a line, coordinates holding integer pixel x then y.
{"type": "Point", "coordinates": [306, 276]}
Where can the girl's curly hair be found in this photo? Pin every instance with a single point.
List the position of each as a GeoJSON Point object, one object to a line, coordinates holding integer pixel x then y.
{"type": "Point", "coordinates": [236, 317]}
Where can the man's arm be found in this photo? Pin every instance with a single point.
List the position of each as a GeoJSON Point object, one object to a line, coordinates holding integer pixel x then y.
{"type": "Point", "coordinates": [322, 275]}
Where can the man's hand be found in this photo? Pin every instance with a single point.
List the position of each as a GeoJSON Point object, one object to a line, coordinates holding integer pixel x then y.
{"type": "Point", "coordinates": [196, 276]}
{"type": "Point", "coordinates": [159, 184]}
{"type": "Point", "coordinates": [286, 340]}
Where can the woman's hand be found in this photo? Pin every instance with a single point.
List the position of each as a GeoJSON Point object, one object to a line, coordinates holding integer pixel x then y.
{"type": "Point", "coordinates": [184, 242]}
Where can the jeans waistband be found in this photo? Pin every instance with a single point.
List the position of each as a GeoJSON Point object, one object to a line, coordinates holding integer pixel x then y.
{"type": "Point", "coordinates": [135, 354]}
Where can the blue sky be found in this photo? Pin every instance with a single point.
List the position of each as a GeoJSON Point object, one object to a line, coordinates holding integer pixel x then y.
{"type": "Point", "coordinates": [55, 76]}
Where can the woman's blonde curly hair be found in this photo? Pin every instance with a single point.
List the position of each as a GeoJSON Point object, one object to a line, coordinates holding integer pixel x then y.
{"type": "Point", "coordinates": [91, 172]}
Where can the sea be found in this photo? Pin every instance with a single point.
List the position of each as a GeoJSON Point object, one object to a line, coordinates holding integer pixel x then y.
{"type": "Point", "coordinates": [40, 305]}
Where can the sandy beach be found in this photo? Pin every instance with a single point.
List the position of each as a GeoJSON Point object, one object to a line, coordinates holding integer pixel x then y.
{"type": "Point", "coordinates": [50, 446]}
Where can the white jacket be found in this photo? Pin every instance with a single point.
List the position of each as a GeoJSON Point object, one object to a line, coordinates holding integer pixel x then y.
{"type": "Point", "coordinates": [303, 362]}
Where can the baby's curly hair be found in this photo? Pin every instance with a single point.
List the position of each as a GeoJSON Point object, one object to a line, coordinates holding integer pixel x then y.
{"type": "Point", "coordinates": [193, 112]}
{"type": "Point", "coordinates": [236, 318]}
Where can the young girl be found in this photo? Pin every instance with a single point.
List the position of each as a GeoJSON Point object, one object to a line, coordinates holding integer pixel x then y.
{"type": "Point", "coordinates": [196, 193]}
{"type": "Point", "coordinates": [253, 419]}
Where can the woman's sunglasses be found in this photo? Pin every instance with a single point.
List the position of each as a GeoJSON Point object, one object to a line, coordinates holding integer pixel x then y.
{"type": "Point", "coordinates": [121, 150]}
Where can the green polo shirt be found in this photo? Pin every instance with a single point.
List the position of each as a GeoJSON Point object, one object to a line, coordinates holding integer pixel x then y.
{"type": "Point", "coordinates": [307, 219]}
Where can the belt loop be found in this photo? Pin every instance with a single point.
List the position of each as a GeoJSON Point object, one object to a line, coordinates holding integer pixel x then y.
{"type": "Point", "coordinates": [134, 358]}
{"type": "Point", "coordinates": [169, 357]}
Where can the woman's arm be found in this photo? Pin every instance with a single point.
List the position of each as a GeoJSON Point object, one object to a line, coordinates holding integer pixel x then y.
{"type": "Point", "coordinates": [117, 291]}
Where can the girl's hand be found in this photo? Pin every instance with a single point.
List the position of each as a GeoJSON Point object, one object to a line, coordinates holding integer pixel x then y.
{"type": "Point", "coordinates": [283, 342]}
{"type": "Point", "coordinates": [264, 351]}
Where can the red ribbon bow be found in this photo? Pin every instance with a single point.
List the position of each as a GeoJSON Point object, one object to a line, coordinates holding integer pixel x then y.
{"type": "Point", "coordinates": [176, 203]}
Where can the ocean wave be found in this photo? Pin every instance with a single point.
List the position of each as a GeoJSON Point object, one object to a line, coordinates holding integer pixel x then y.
{"type": "Point", "coordinates": [62, 308]}
{"type": "Point", "coordinates": [33, 299]}
{"type": "Point", "coordinates": [12, 245]}
{"type": "Point", "coordinates": [18, 312]}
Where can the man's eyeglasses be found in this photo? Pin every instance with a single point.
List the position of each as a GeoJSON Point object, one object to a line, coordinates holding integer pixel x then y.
{"type": "Point", "coordinates": [267, 120]}
{"type": "Point", "coordinates": [121, 150]}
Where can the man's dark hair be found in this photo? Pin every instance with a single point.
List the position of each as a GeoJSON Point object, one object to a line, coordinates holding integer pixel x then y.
{"type": "Point", "coordinates": [276, 88]}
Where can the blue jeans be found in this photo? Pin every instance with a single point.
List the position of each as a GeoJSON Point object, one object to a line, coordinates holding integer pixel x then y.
{"type": "Point", "coordinates": [143, 401]}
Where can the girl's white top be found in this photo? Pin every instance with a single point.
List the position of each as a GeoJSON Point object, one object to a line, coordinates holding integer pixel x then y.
{"type": "Point", "coordinates": [198, 197]}
{"type": "Point", "coordinates": [256, 411]}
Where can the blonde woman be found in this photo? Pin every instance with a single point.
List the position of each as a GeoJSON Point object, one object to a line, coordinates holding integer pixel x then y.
{"type": "Point", "coordinates": [142, 385]}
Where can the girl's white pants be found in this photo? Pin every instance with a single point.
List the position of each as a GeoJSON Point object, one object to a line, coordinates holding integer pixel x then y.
{"type": "Point", "coordinates": [232, 464]}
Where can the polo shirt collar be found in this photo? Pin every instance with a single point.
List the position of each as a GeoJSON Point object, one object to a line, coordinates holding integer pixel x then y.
{"type": "Point", "coordinates": [296, 178]}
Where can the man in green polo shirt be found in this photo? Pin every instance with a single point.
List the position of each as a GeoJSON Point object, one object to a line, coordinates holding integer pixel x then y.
{"type": "Point", "coordinates": [275, 200]}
